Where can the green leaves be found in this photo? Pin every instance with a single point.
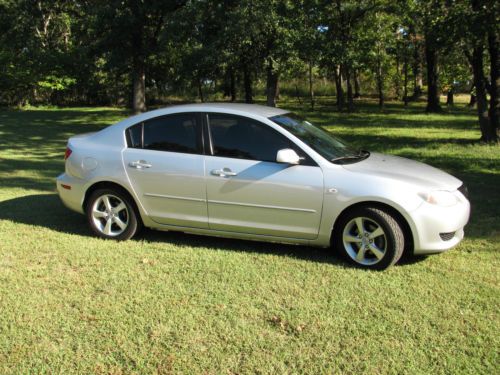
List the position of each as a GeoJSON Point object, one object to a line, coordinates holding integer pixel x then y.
{"type": "Point", "coordinates": [56, 83]}
{"type": "Point", "coordinates": [86, 51]}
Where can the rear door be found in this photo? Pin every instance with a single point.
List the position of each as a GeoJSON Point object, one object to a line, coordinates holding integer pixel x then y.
{"type": "Point", "coordinates": [165, 165]}
{"type": "Point", "coordinates": [249, 192]}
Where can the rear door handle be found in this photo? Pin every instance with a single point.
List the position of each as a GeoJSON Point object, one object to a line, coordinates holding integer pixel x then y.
{"type": "Point", "coordinates": [224, 172]}
{"type": "Point", "coordinates": [140, 164]}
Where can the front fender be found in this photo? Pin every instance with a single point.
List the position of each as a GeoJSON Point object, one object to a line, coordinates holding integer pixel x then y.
{"type": "Point", "coordinates": [344, 189]}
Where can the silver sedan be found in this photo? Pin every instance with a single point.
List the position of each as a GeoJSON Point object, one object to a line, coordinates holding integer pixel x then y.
{"type": "Point", "coordinates": [260, 173]}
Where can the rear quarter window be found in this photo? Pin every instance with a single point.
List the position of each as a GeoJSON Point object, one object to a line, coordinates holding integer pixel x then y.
{"type": "Point", "coordinates": [134, 136]}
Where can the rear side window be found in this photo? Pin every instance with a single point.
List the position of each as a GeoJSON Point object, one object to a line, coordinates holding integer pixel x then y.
{"type": "Point", "coordinates": [244, 138]}
{"type": "Point", "coordinates": [174, 133]}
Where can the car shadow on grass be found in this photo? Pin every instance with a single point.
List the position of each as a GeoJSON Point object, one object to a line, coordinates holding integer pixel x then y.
{"type": "Point", "coordinates": [43, 210]}
{"type": "Point", "coordinates": [47, 211]}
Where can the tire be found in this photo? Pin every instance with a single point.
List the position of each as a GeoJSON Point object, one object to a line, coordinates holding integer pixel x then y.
{"type": "Point", "coordinates": [379, 246]}
{"type": "Point", "coordinates": [112, 215]}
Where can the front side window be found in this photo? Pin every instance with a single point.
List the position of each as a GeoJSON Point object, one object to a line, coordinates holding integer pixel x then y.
{"type": "Point", "coordinates": [174, 133]}
{"type": "Point", "coordinates": [244, 138]}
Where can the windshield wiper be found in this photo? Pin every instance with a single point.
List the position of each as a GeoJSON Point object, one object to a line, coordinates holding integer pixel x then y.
{"type": "Point", "coordinates": [362, 155]}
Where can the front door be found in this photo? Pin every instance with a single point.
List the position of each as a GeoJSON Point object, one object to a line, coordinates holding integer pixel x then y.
{"type": "Point", "coordinates": [249, 192]}
{"type": "Point", "coordinates": [165, 165]}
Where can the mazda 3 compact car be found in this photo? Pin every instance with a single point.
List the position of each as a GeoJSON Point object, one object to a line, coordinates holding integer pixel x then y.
{"type": "Point", "coordinates": [260, 173]}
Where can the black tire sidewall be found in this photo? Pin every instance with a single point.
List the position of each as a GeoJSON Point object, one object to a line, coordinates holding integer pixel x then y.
{"type": "Point", "coordinates": [132, 224]}
{"type": "Point", "coordinates": [393, 253]}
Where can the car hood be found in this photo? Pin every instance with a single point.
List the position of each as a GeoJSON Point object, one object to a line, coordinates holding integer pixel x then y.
{"type": "Point", "coordinates": [405, 170]}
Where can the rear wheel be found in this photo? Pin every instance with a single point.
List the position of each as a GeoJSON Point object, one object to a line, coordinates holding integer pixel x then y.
{"type": "Point", "coordinates": [111, 214]}
{"type": "Point", "coordinates": [369, 238]}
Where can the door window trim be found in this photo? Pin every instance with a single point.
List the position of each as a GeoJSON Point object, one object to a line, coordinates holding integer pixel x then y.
{"type": "Point", "coordinates": [209, 146]}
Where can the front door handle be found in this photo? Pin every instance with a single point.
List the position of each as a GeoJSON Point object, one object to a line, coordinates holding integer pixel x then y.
{"type": "Point", "coordinates": [140, 164]}
{"type": "Point", "coordinates": [224, 172]}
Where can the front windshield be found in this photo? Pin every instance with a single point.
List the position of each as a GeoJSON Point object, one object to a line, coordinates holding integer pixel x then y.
{"type": "Point", "coordinates": [320, 140]}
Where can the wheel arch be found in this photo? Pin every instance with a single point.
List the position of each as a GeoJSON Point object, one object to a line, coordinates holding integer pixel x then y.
{"type": "Point", "coordinates": [111, 185]}
{"type": "Point", "coordinates": [405, 226]}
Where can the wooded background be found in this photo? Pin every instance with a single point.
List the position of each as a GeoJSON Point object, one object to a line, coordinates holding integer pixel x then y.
{"type": "Point", "coordinates": [139, 53]}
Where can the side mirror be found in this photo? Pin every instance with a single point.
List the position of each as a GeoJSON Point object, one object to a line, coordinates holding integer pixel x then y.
{"type": "Point", "coordinates": [287, 156]}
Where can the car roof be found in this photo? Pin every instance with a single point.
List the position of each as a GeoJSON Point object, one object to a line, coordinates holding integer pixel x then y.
{"type": "Point", "coordinates": [251, 109]}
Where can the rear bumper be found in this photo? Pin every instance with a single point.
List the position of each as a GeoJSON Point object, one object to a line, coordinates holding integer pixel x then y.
{"type": "Point", "coordinates": [71, 191]}
{"type": "Point", "coordinates": [439, 228]}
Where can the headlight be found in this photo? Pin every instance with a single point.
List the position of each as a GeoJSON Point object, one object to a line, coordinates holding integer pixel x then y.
{"type": "Point", "coordinates": [440, 198]}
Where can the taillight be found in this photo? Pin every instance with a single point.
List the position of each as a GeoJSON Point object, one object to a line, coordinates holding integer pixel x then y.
{"type": "Point", "coordinates": [67, 153]}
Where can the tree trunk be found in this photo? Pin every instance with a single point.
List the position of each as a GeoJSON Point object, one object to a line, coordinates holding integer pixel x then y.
{"type": "Point", "coordinates": [417, 73]}
{"type": "Point", "coordinates": [350, 99]}
{"type": "Point", "coordinates": [339, 91]}
{"type": "Point", "coordinates": [472, 100]}
{"type": "Point", "coordinates": [247, 82]}
{"type": "Point", "coordinates": [297, 94]}
{"type": "Point", "coordinates": [271, 85]}
{"type": "Point", "coordinates": [311, 88]}
{"type": "Point", "coordinates": [449, 97]}
{"type": "Point", "coordinates": [432, 78]}
{"type": "Point", "coordinates": [419, 83]}
{"type": "Point", "coordinates": [357, 90]}
{"type": "Point", "coordinates": [397, 80]}
{"type": "Point", "coordinates": [139, 82]}
{"type": "Point", "coordinates": [405, 84]}
{"type": "Point", "coordinates": [200, 89]}
{"type": "Point", "coordinates": [380, 89]}
{"type": "Point", "coordinates": [233, 85]}
{"type": "Point", "coordinates": [380, 85]}
{"type": "Point", "coordinates": [227, 84]}
{"type": "Point", "coordinates": [493, 45]}
{"type": "Point", "coordinates": [479, 82]}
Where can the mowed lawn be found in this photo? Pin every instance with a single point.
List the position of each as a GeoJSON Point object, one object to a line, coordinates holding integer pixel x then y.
{"type": "Point", "coordinates": [176, 303]}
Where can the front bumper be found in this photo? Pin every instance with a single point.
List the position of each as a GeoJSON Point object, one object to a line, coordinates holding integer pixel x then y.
{"type": "Point", "coordinates": [438, 229]}
{"type": "Point", "coordinates": [71, 191]}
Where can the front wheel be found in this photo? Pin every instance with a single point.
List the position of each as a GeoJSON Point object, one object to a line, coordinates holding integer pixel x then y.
{"type": "Point", "coordinates": [369, 238]}
{"type": "Point", "coordinates": [110, 214]}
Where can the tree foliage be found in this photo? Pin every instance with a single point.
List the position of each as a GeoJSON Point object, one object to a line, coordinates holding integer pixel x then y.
{"type": "Point", "coordinates": [134, 52]}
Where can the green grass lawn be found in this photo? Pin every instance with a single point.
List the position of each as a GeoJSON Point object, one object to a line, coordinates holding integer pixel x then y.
{"type": "Point", "coordinates": [177, 303]}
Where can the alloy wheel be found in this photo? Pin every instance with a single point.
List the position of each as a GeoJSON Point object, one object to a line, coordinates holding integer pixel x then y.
{"type": "Point", "coordinates": [110, 215]}
{"type": "Point", "coordinates": [364, 241]}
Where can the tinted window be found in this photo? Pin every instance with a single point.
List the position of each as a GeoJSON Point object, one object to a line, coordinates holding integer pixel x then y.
{"type": "Point", "coordinates": [176, 133]}
{"type": "Point", "coordinates": [134, 136]}
{"type": "Point", "coordinates": [244, 138]}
